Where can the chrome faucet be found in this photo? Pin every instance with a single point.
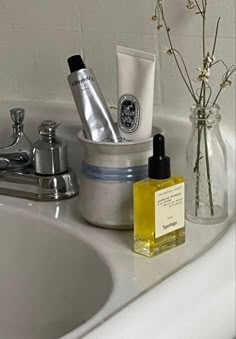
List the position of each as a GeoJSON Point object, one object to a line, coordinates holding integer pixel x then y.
{"type": "Point", "coordinates": [38, 171]}
{"type": "Point", "coordinates": [20, 151]}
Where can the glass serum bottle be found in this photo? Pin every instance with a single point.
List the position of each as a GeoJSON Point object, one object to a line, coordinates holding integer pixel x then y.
{"type": "Point", "coordinates": [159, 205]}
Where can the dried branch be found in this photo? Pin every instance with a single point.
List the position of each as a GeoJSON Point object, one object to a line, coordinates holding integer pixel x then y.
{"type": "Point", "coordinates": [225, 82]}
{"type": "Point", "coordinates": [215, 39]}
{"type": "Point", "coordinates": [208, 58]}
{"type": "Point", "coordinates": [189, 86]}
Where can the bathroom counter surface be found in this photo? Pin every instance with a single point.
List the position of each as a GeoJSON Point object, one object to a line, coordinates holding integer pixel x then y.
{"type": "Point", "coordinates": [192, 286]}
{"type": "Point", "coordinates": [190, 282]}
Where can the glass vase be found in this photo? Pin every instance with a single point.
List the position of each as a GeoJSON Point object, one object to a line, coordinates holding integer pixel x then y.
{"type": "Point", "coordinates": [206, 184]}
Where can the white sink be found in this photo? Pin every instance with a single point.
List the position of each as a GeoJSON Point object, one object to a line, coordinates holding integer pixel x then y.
{"type": "Point", "coordinates": [50, 280]}
{"type": "Point", "coordinates": [61, 277]}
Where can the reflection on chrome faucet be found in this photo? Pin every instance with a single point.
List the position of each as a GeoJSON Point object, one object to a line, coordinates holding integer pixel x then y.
{"type": "Point", "coordinates": [20, 151]}
{"type": "Point", "coordinates": [38, 172]}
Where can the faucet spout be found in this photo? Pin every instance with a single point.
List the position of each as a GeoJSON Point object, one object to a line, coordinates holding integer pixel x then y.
{"type": "Point", "coordinates": [19, 153]}
{"type": "Point", "coordinates": [14, 160]}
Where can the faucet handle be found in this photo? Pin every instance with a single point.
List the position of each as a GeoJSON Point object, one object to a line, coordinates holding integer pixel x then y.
{"type": "Point", "coordinates": [17, 115]}
{"type": "Point", "coordinates": [50, 153]}
{"type": "Point", "coordinates": [48, 128]}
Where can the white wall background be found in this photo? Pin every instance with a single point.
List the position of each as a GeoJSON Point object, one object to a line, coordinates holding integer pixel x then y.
{"type": "Point", "coordinates": [36, 37]}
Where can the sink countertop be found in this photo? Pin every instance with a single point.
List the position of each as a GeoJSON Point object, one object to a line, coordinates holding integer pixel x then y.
{"type": "Point", "coordinates": [132, 274]}
{"type": "Point", "coordinates": [147, 290]}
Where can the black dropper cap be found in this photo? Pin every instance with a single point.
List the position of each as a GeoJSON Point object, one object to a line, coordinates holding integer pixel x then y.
{"type": "Point", "coordinates": [75, 63]}
{"type": "Point", "coordinates": [159, 163]}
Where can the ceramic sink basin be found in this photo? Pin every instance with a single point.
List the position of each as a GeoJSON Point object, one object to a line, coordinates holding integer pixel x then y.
{"type": "Point", "coordinates": [50, 281]}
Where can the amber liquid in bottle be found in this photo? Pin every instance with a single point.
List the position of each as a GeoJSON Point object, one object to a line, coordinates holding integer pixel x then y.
{"type": "Point", "coordinates": [159, 208]}
{"type": "Point", "coordinates": [145, 240]}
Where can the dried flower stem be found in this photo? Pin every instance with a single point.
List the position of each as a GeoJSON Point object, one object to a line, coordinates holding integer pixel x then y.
{"type": "Point", "coordinates": [216, 36]}
{"type": "Point", "coordinates": [196, 170]}
{"type": "Point", "coordinates": [208, 172]}
{"type": "Point", "coordinates": [218, 61]}
{"type": "Point", "coordinates": [209, 97]}
{"type": "Point", "coordinates": [189, 85]}
{"type": "Point", "coordinates": [186, 70]}
{"type": "Point", "coordinates": [229, 74]}
{"type": "Point", "coordinates": [198, 7]}
{"type": "Point", "coordinates": [204, 11]}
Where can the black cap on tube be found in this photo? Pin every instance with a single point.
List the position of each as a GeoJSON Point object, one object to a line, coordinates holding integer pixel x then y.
{"type": "Point", "coordinates": [159, 163]}
{"type": "Point", "coordinates": [75, 63]}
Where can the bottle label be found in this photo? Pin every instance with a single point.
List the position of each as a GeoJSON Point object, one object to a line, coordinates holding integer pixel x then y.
{"type": "Point", "coordinates": [169, 209]}
{"type": "Point", "coordinates": [128, 113]}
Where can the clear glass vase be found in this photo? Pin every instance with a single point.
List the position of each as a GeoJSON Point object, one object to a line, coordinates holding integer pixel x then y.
{"type": "Point", "coordinates": [206, 184]}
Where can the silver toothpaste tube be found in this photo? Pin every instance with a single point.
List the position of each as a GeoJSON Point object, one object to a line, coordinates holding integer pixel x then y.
{"type": "Point", "coordinates": [94, 113]}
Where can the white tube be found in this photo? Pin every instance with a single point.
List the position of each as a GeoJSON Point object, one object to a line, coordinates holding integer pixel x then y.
{"type": "Point", "coordinates": [135, 91]}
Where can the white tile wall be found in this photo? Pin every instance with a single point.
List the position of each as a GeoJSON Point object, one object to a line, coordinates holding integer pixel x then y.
{"type": "Point", "coordinates": [36, 37]}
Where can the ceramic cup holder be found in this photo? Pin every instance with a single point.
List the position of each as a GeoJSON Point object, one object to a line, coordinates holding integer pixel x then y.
{"type": "Point", "coordinates": [108, 171]}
